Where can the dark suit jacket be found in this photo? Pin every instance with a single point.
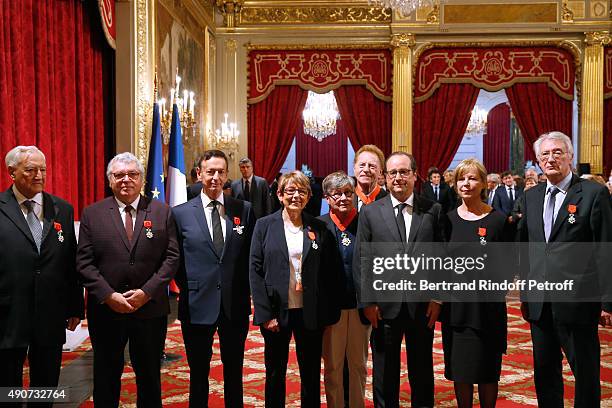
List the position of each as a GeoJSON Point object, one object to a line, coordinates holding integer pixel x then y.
{"type": "Point", "coordinates": [208, 280]}
{"type": "Point", "coordinates": [38, 292]}
{"type": "Point", "coordinates": [502, 203]}
{"type": "Point", "coordinates": [377, 224]}
{"type": "Point", "coordinates": [565, 255]}
{"type": "Point", "coordinates": [269, 273]}
{"type": "Point", "coordinates": [109, 263]}
{"type": "Point", "coordinates": [352, 228]}
{"type": "Point", "coordinates": [194, 190]}
{"type": "Point", "coordinates": [447, 197]}
{"type": "Point", "coordinates": [259, 195]}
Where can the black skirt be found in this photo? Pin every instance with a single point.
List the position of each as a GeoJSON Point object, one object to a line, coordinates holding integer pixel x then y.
{"type": "Point", "coordinates": [470, 356]}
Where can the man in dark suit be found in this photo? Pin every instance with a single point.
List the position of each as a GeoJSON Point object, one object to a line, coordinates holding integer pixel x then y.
{"type": "Point", "coordinates": [127, 255]}
{"type": "Point", "coordinates": [435, 189]}
{"type": "Point", "coordinates": [39, 291]}
{"type": "Point", "coordinates": [214, 232]}
{"type": "Point", "coordinates": [407, 218]}
{"type": "Point", "coordinates": [252, 188]}
{"type": "Point", "coordinates": [563, 219]}
{"type": "Point", "coordinates": [506, 195]}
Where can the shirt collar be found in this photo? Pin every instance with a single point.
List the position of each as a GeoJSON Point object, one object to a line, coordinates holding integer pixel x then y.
{"type": "Point", "coordinates": [38, 198]}
{"type": "Point", "coordinates": [409, 201]}
{"type": "Point", "coordinates": [563, 184]}
{"type": "Point", "coordinates": [250, 179]}
{"type": "Point", "coordinates": [206, 200]}
{"type": "Point", "coordinates": [134, 203]}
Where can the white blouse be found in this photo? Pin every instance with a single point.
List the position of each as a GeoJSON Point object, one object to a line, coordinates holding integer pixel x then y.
{"type": "Point", "coordinates": [295, 242]}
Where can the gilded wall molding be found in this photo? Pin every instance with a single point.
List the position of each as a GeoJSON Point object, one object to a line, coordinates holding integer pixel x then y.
{"type": "Point", "coordinates": [142, 87]}
{"type": "Point", "coordinates": [602, 38]}
{"type": "Point", "coordinates": [402, 40]}
{"type": "Point", "coordinates": [259, 47]}
{"type": "Point", "coordinates": [567, 15]}
{"type": "Point", "coordinates": [314, 15]}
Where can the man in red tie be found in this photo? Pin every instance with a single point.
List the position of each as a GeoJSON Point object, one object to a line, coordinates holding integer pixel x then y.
{"type": "Point", "coordinates": [127, 255]}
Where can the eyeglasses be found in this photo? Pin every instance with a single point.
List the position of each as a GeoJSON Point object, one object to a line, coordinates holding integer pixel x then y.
{"type": "Point", "coordinates": [291, 191]}
{"type": "Point", "coordinates": [403, 173]}
{"type": "Point", "coordinates": [338, 195]}
{"type": "Point", "coordinates": [556, 154]}
{"type": "Point", "coordinates": [132, 175]}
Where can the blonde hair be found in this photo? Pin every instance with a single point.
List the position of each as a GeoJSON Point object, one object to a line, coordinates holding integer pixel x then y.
{"type": "Point", "coordinates": [472, 164]}
{"type": "Point", "coordinates": [370, 148]}
{"type": "Point", "coordinates": [296, 177]}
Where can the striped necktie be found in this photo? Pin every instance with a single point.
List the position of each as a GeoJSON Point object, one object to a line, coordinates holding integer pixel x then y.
{"type": "Point", "coordinates": [33, 223]}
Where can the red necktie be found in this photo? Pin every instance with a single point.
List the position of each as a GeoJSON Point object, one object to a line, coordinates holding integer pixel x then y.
{"type": "Point", "coordinates": [129, 222]}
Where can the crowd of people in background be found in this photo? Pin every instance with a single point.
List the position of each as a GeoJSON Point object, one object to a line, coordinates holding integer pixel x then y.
{"type": "Point", "coordinates": [244, 246]}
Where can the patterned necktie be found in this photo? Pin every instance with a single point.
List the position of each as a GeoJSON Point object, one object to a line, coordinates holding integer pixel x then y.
{"type": "Point", "coordinates": [247, 190]}
{"type": "Point", "coordinates": [33, 223]}
{"type": "Point", "coordinates": [217, 237]}
{"type": "Point", "coordinates": [549, 212]}
{"type": "Point", "coordinates": [399, 218]}
{"type": "Point", "coordinates": [129, 222]}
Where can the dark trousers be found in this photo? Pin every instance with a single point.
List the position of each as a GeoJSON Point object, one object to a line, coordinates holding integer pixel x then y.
{"type": "Point", "coordinates": [580, 344]}
{"type": "Point", "coordinates": [377, 344]}
{"type": "Point", "coordinates": [44, 362]}
{"type": "Point", "coordinates": [419, 343]}
{"type": "Point", "coordinates": [308, 348]}
{"type": "Point", "coordinates": [198, 345]}
{"type": "Point", "coordinates": [146, 342]}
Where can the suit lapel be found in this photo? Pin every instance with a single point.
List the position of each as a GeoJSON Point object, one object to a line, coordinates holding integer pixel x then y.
{"type": "Point", "coordinates": [278, 232]}
{"type": "Point", "coordinates": [50, 211]}
{"type": "Point", "coordinates": [388, 214]}
{"type": "Point", "coordinates": [417, 219]}
{"type": "Point", "coordinates": [538, 220]}
{"type": "Point", "coordinates": [141, 214]}
{"type": "Point", "coordinates": [230, 213]}
{"type": "Point", "coordinates": [574, 196]}
{"type": "Point", "coordinates": [117, 222]}
{"type": "Point", "coordinates": [10, 207]}
{"type": "Point", "coordinates": [200, 215]}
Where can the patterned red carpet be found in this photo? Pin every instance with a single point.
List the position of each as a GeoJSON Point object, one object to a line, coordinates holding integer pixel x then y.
{"type": "Point", "coordinates": [516, 387]}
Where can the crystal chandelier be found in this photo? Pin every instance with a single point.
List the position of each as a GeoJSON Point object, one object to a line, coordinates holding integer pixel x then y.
{"type": "Point", "coordinates": [478, 121]}
{"type": "Point", "coordinates": [405, 7]}
{"type": "Point", "coordinates": [320, 115]}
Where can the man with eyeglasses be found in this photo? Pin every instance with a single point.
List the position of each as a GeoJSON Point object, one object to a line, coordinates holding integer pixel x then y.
{"type": "Point", "coordinates": [214, 232]}
{"type": "Point", "coordinates": [407, 218]}
{"type": "Point", "coordinates": [127, 255]}
{"type": "Point", "coordinates": [568, 223]}
{"type": "Point", "coordinates": [39, 291]}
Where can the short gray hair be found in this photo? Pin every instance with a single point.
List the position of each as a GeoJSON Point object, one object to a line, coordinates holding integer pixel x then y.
{"type": "Point", "coordinates": [16, 155]}
{"type": "Point", "coordinates": [554, 135]}
{"type": "Point", "coordinates": [245, 160]}
{"type": "Point", "coordinates": [494, 177]}
{"type": "Point", "coordinates": [336, 181]}
{"type": "Point", "coordinates": [125, 158]}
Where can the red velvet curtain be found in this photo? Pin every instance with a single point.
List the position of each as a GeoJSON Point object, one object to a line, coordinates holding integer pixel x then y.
{"type": "Point", "coordinates": [496, 144]}
{"type": "Point", "coordinates": [538, 109]}
{"type": "Point", "coordinates": [322, 157]}
{"type": "Point", "coordinates": [366, 118]}
{"type": "Point", "coordinates": [53, 66]}
{"type": "Point", "coordinates": [607, 137]}
{"type": "Point", "coordinates": [439, 124]}
{"type": "Point", "coordinates": [272, 125]}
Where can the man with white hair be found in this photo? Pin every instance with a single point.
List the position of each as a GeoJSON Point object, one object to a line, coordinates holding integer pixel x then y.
{"type": "Point", "coordinates": [568, 224]}
{"type": "Point", "coordinates": [127, 255]}
{"type": "Point", "coordinates": [39, 291]}
{"type": "Point", "coordinates": [493, 181]}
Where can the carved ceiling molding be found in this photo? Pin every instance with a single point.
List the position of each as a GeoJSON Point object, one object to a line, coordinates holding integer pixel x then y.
{"type": "Point", "coordinates": [314, 15]}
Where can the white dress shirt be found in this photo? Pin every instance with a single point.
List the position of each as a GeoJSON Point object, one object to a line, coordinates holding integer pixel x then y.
{"type": "Point", "coordinates": [208, 210]}
{"type": "Point", "coordinates": [38, 204]}
{"type": "Point", "coordinates": [295, 243]}
{"type": "Point", "coordinates": [122, 206]}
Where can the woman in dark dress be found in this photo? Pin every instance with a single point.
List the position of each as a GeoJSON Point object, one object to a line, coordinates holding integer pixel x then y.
{"type": "Point", "coordinates": [474, 333]}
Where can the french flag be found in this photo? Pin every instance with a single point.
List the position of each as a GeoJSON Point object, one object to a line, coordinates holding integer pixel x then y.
{"type": "Point", "coordinates": [176, 185]}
